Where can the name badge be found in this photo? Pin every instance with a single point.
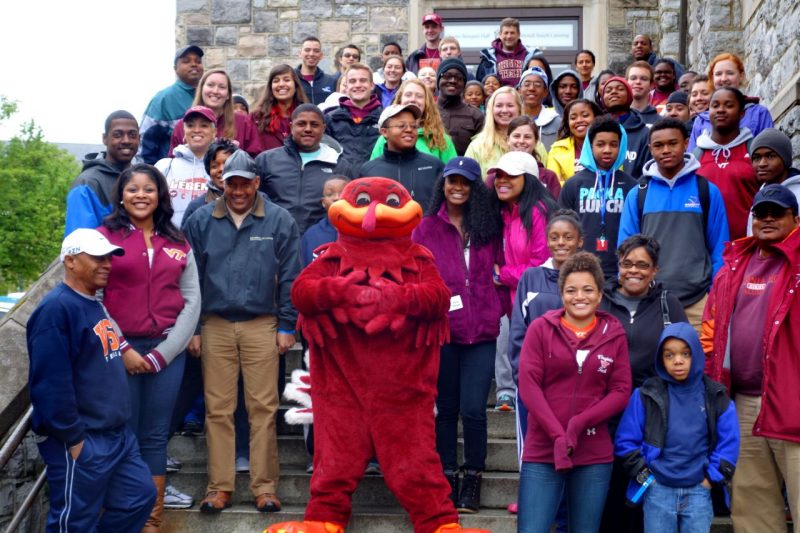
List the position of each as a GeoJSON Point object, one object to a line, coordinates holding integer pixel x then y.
{"type": "Point", "coordinates": [456, 303]}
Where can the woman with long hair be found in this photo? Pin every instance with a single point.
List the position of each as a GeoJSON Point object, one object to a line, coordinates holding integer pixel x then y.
{"type": "Point", "coordinates": [462, 229]}
{"type": "Point", "coordinates": [393, 70]}
{"type": "Point", "coordinates": [727, 70]}
{"type": "Point", "coordinates": [724, 158]}
{"type": "Point", "coordinates": [523, 136]}
{"type": "Point", "coordinates": [574, 375]}
{"type": "Point", "coordinates": [491, 143]}
{"type": "Point", "coordinates": [565, 154]}
{"type": "Point", "coordinates": [272, 111]}
{"type": "Point", "coordinates": [153, 294]}
{"type": "Point", "coordinates": [432, 137]}
{"type": "Point", "coordinates": [215, 92]}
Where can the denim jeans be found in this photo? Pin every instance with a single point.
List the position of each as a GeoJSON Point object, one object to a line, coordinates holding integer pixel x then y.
{"type": "Point", "coordinates": [672, 509]}
{"type": "Point", "coordinates": [465, 377]}
{"type": "Point", "coordinates": [541, 489]}
{"type": "Point", "coordinates": [503, 375]}
{"type": "Point", "coordinates": [152, 401]}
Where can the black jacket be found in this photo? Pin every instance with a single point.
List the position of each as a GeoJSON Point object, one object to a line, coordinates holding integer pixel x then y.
{"type": "Point", "coordinates": [295, 187]}
{"type": "Point", "coordinates": [462, 122]}
{"type": "Point", "coordinates": [643, 330]}
{"type": "Point", "coordinates": [324, 86]}
{"type": "Point", "coordinates": [417, 172]}
{"type": "Point", "coordinates": [638, 147]}
{"type": "Point", "coordinates": [357, 140]}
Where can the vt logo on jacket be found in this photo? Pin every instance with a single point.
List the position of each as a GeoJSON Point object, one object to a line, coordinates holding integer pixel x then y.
{"type": "Point", "coordinates": [589, 200]}
{"type": "Point", "coordinates": [174, 253]}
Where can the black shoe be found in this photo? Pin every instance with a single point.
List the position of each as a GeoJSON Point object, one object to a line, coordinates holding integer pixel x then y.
{"type": "Point", "coordinates": [452, 478]}
{"type": "Point", "coordinates": [470, 499]}
{"type": "Point", "coordinates": [192, 429]}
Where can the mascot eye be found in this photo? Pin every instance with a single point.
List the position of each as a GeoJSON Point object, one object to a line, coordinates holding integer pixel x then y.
{"type": "Point", "coordinates": [363, 199]}
{"type": "Point", "coordinates": [392, 200]}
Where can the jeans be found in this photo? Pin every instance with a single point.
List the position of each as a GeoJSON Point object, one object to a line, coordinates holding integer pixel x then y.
{"type": "Point", "coordinates": [152, 401]}
{"type": "Point", "coordinates": [465, 377]}
{"type": "Point", "coordinates": [672, 509]}
{"type": "Point", "coordinates": [541, 489]}
{"type": "Point", "coordinates": [503, 375]}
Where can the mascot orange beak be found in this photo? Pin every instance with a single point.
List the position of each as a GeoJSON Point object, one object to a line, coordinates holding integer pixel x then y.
{"type": "Point", "coordinates": [375, 221]}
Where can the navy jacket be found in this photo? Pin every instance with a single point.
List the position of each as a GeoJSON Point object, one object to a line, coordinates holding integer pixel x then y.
{"type": "Point", "coordinates": [324, 86]}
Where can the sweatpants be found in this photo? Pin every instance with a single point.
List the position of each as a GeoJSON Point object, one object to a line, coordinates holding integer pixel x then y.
{"type": "Point", "coordinates": [107, 488]}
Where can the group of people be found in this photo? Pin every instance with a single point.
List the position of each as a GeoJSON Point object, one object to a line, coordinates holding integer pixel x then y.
{"type": "Point", "coordinates": [612, 244]}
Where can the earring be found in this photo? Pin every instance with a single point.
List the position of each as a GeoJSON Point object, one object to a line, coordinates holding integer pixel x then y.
{"type": "Point", "coordinates": [120, 202]}
{"type": "Point", "coordinates": [652, 283]}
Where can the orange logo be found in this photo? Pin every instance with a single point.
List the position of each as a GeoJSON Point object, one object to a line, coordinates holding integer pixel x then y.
{"type": "Point", "coordinates": [175, 254]}
{"type": "Point", "coordinates": [108, 338]}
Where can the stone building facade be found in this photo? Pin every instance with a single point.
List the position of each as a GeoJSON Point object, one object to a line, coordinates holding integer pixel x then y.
{"type": "Point", "coordinates": [249, 37]}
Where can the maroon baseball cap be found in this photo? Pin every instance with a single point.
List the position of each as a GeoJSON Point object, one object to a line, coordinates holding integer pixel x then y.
{"type": "Point", "coordinates": [200, 110]}
{"type": "Point", "coordinates": [432, 17]}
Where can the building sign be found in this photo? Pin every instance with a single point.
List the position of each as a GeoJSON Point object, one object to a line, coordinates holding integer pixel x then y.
{"type": "Point", "coordinates": [543, 34]}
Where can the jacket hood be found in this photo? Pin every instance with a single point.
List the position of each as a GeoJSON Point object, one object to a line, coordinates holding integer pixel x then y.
{"type": "Point", "coordinates": [554, 85]}
{"type": "Point", "coordinates": [633, 121]}
{"type": "Point", "coordinates": [330, 149]}
{"type": "Point", "coordinates": [685, 332]}
{"type": "Point", "coordinates": [497, 46]}
{"type": "Point", "coordinates": [184, 152]}
{"type": "Point", "coordinates": [723, 151]}
{"type": "Point", "coordinates": [587, 157]}
{"type": "Point", "coordinates": [690, 164]}
{"type": "Point", "coordinates": [546, 116]}
{"type": "Point", "coordinates": [98, 162]}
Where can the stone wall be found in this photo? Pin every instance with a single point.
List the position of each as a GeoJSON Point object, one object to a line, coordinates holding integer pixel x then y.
{"type": "Point", "coordinates": [249, 37]}
{"type": "Point", "coordinates": [715, 26]}
{"type": "Point", "coordinates": [628, 18]}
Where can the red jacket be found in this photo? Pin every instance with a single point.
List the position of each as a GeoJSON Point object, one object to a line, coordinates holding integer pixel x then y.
{"type": "Point", "coordinates": [779, 417]}
{"type": "Point", "coordinates": [145, 300]}
{"type": "Point", "coordinates": [569, 405]}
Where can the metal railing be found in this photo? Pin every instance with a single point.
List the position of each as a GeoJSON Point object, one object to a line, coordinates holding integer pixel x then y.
{"type": "Point", "coordinates": [6, 452]}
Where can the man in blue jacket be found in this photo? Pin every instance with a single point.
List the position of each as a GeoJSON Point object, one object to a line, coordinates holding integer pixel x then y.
{"type": "Point", "coordinates": [79, 392]}
{"type": "Point", "coordinates": [317, 85]}
{"type": "Point", "coordinates": [248, 254]}
{"type": "Point", "coordinates": [685, 214]}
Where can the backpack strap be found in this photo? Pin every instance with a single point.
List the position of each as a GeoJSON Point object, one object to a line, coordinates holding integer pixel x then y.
{"type": "Point", "coordinates": [644, 183]}
{"type": "Point", "coordinates": [705, 200]}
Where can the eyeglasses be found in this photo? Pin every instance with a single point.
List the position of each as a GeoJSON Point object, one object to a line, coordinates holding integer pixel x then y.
{"type": "Point", "coordinates": [769, 156]}
{"type": "Point", "coordinates": [533, 85]}
{"type": "Point", "coordinates": [640, 265]}
{"type": "Point", "coordinates": [356, 56]}
{"type": "Point", "coordinates": [404, 126]}
{"type": "Point", "coordinates": [769, 211]}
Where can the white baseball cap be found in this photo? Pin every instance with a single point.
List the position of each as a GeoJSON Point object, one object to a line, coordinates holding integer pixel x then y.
{"type": "Point", "coordinates": [516, 164]}
{"type": "Point", "coordinates": [88, 241]}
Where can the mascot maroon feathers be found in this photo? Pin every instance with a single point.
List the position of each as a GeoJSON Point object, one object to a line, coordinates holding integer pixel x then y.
{"type": "Point", "coordinates": [373, 309]}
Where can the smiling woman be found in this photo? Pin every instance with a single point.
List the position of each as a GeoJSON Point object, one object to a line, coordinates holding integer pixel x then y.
{"type": "Point", "coordinates": [282, 94]}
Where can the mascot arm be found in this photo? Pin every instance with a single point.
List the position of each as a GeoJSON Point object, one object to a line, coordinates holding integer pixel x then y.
{"type": "Point", "coordinates": [318, 288]}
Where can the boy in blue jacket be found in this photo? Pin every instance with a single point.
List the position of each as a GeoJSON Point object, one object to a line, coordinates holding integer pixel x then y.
{"type": "Point", "coordinates": [679, 428]}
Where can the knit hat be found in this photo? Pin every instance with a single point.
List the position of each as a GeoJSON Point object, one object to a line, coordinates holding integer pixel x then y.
{"type": "Point", "coordinates": [447, 64]}
{"type": "Point", "coordinates": [534, 71]}
{"type": "Point", "coordinates": [624, 82]}
{"type": "Point", "coordinates": [678, 97]}
{"type": "Point", "coordinates": [776, 141]}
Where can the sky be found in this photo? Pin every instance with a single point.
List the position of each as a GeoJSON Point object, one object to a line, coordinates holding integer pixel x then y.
{"type": "Point", "coordinates": [69, 64]}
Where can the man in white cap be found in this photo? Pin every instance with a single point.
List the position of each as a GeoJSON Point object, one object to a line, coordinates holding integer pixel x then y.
{"type": "Point", "coordinates": [401, 161]}
{"type": "Point", "coordinates": [97, 478]}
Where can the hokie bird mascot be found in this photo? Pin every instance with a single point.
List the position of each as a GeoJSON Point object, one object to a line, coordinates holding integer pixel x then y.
{"type": "Point", "coordinates": [373, 309]}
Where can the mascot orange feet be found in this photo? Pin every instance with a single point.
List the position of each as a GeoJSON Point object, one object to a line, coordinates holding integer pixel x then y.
{"type": "Point", "coordinates": [304, 527]}
{"type": "Point", "coordinates": [455, 528]}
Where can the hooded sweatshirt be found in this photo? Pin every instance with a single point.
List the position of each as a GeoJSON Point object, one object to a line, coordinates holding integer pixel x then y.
{"type": "Point", "coordinates": [89, 199]}
{"type": "Point", "coordinates": [507, 65]}
{"type": "Point", "coordinates": [683, 431]}
{"type": "Point", "coordinates": [756, 119]}
{"type": "Point", "coordinates": [563, 160]}
{"type": "Point", "coordinates": [598, 197]}
{"type": "Point", "coordinates": [549, 120]}
{"type": "Point", "coordinates": [673, 215]}
{"type": "Point", "coordinates": [729, 168]}
{"type": "Point", "coordinates": [187, 179]}
{"type": "Point", "coordinates": [638, 149]}
{"type": "Point", "coordinates": [557, 105]}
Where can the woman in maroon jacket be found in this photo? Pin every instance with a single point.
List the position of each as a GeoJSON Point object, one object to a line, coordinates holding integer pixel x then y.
{"type": "Point", "coordinates": [462, 230]}
{"type": "Point", "coordinates": [574, 376]}
{"type": "Point", "coordinates": [273, 111]}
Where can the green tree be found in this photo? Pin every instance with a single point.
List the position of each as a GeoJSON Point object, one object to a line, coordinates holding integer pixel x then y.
{"type": "Point", "coordinates": [34, 179]}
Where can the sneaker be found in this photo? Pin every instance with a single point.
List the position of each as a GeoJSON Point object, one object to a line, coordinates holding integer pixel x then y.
{"type": "Point", "coordinates": [373, 469]}
{"type": "Point", "coordinates": [173, 465]}
{"type": "Point", "coordinates": [310, 467]}
{"type": "Point", "coordinates": [192, 429]}
{"type": "Point", "coordinates": [452, 478]}
{"type": "Point", "coordinates": [175, 499]}
{"type": "Point", "coordinates": [505, 402]}
{"type": "Point", "coordinates": [470, 499]}
{"type": "Point", "coordinates": [242, 465]}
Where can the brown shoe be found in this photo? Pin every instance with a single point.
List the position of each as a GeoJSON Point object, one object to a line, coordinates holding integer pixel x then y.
{"type": "Point", "coordinates": [215, 501]}
{"type": "Point", "coordinates": [268, 503]}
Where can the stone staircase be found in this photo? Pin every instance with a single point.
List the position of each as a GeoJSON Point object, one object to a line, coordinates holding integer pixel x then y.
{"type": "Point", "coordinates": [375, 509]}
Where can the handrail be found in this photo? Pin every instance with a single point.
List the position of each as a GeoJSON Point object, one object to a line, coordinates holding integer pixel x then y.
{"type": "Point", "coordinates": [16, 437]}
{"type": "Point", "coordinates": [6, 452]}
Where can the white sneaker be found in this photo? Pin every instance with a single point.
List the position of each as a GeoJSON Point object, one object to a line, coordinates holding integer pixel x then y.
{"type": "Point", "coordinates": [242, 465]}
{"type": "Point", "coordinates": [173, 465]}
{"type": "Point", "coordinates": [175, 499]}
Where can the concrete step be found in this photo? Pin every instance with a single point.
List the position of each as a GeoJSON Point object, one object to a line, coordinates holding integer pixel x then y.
{"type": "Point", "coordinates": [245, 519]}
{"type": "Point", "coordinates": [497, 490]}
{"type": "Point", "coordinates": [192, 451]}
